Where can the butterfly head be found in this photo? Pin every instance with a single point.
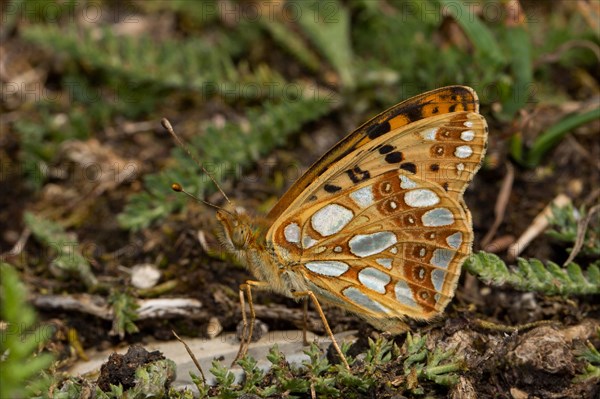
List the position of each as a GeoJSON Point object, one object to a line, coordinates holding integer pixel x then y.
{"type": "Point", "coordinates": [236, 229]}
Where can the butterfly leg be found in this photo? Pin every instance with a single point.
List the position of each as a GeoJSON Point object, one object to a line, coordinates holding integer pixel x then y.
{"type": "Point", "coordinates": [305, 322]}
{"type": "Point", "coordinates": [312, 296]}
{"type": "Point", "coordinates": [247, 328]}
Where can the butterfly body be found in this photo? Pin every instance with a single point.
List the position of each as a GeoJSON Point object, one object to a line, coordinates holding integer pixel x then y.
{"type": "Point", "coordinates": [378, 226]}
{"type": "Point", "coordinates": [241, 238]}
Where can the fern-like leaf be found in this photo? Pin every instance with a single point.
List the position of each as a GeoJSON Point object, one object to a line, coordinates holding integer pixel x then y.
{"type": "Point", "coordinates": [68, 261]}
{"type": "Point", "coordinates": [224, 151]}
{"type": "Point", "coordinates": [533, 275]}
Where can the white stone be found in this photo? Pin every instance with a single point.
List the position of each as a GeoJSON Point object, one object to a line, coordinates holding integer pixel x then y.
{"type": "Point", "coordinates": [144, 276]}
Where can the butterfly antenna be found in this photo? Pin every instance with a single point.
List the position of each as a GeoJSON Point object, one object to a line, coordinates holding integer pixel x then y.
{"type": "Point", "coordinates": [167, 125]}
{"type": "Point", "coordinates": [178, 188]}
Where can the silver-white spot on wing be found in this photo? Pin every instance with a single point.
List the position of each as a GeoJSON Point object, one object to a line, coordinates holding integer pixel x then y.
{"type": "Point", "coordinates": [437, 217]}
{"type": "Point", "coordinates": [331, 219]}
{"type": "Point", "coordinates": [356, 296]}
{"type": "Point", "coordinates": [429, 134]}
{"type": "Point", "coordinates": [454, 240]}
{"type": "Point", "coordinates": [407, 183]}
{"type": "Point", "coordinates": [460, 167]}
{"type": "Point", "coordinates": [442, 257]}
{"type": "Point", "coordinates": [385, 262]}
{"type": "Point", "coordinates": [308, 241]}
{"type": "Point", "coordinates": [437, 278]}
{"type": "Point", "coordinates": [467, 135]}
{"type": "Point", "coordinates": [330, 268]}
{"type": "Point", "coordinates": [374, 279]}
{"type": "Point", "coordinates": [464, 151]}
{"type": "Point", "coordinates": [363, 197]}
{"type": "Point", "coordinates": [404, 294]}
{"type": "Point", "coordinates": [421, 198]}
{"type": "Point", "coordinates": [292, 233]}
{"type": "Point", "coordinates": [370, 244]}
{"type": "Point", "coordinates": [468, 124]}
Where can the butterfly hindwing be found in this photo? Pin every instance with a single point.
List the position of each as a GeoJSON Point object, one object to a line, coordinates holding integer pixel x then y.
{"type": "Point", "coordinates": [389, 247]}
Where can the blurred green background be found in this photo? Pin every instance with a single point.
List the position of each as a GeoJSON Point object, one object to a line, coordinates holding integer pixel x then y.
{"type": "Point", "coordinates": [107, 70]}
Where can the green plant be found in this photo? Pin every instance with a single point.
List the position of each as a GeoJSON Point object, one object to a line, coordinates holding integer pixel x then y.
{"type": "Point", "coordinates": [533, 275]}
{"type": "Point", "coordinates": [68, 260]}
{"type": "Point", "coordinates": [590, 355]}
{"type": "Point", "coordinates": [569, 223]}
{"type": "Point", "coordinates": [439, 366]}
{"type": "Point", "coordinates": [318, 377]}
{"type": "Point", "coordinates": [20, 363]}
{"type": "Point", "coordinates": [533, 156]}
{"type": "Point", "coordinates": [124, 314]}
{"type": "Point", "coordinates": [225, 151]}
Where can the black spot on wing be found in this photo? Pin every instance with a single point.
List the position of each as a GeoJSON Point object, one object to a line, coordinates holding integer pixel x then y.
{"type": "Point", "coordinates": [331, 188]}
{"type": "Point", "coordinates": [434, 167]}
{"type": "Point", "coordinates": [386, 148]}
{"type": "Point", "coordinates": [409, 167]}
{"type": "Point", "coordinates": [445, 186]}
{"type": "Point", "coordinates": [415, 113]}
{"type": "Point", "coordinates": [452, 108]}
{"type": "Point", "coordinates": [357, 175]}
{"type": "Point", "coordinates": [377, 130]}
{"type": "Point", "coordinates": [394, 157]}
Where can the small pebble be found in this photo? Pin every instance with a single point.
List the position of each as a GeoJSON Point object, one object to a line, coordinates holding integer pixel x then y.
{"type": "Point", "coordinates": [144, 276]}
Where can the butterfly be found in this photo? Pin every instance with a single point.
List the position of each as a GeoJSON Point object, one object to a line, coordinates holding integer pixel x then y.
{"type": "Point", "coordinates": [377, 226]}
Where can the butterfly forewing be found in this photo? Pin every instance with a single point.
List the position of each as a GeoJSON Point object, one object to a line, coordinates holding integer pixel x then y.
{"type": "Point", "coordinates": [446, 150]}
{"type": "Point", "coordinates": [433, 103]}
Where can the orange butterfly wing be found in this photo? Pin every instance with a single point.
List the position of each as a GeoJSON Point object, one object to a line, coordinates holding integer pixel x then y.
{"type": "Point", "coordinates": [435, 102]}
{"type": "Point", "coordinates": [398, 193]}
